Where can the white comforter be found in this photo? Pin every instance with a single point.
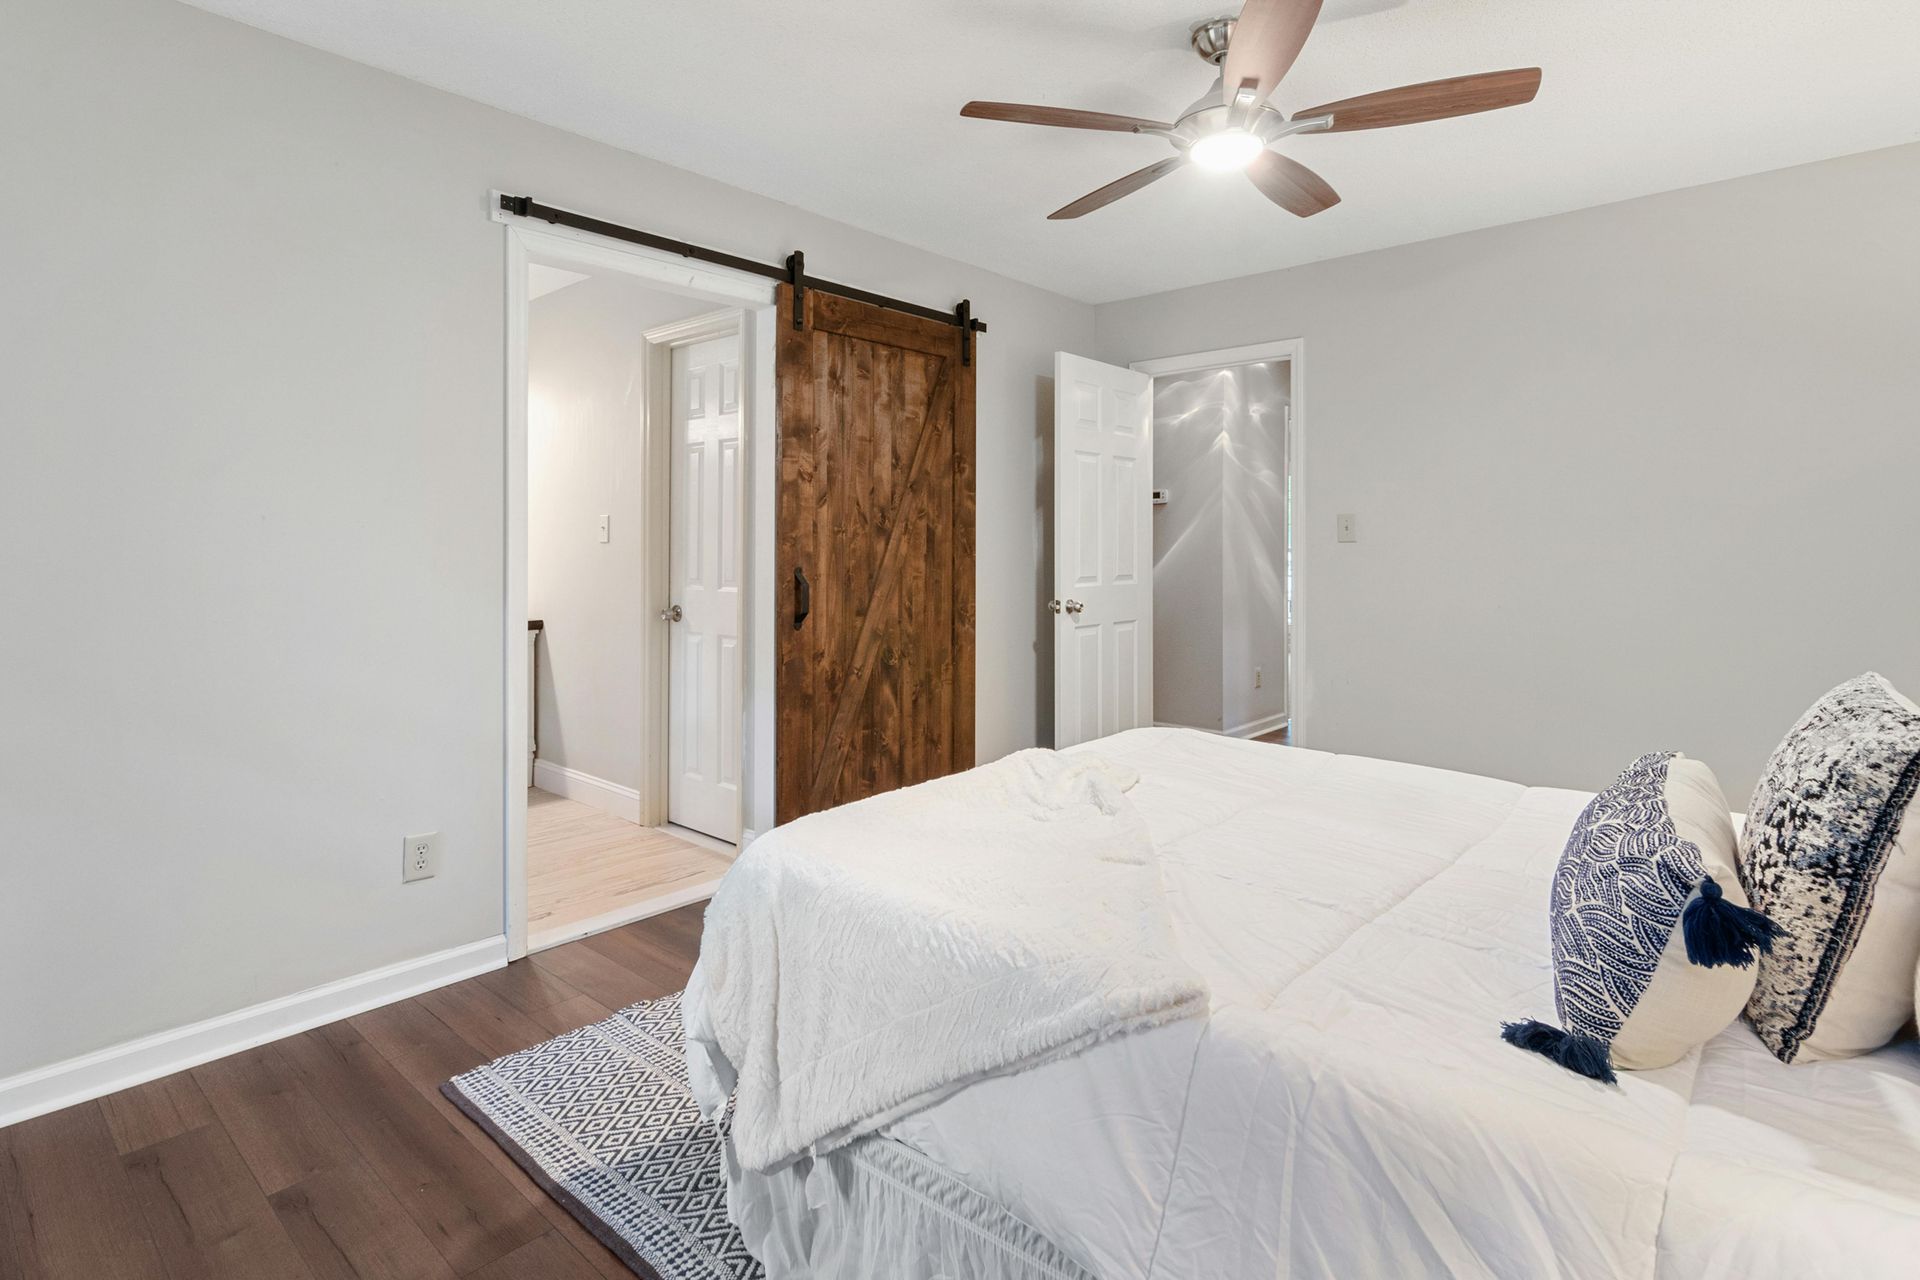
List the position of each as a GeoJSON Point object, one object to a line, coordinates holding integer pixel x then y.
{"type": "Point", "coordinates": [1348, 1110]}
{"type": "Point", "coordinates": [858, 964]}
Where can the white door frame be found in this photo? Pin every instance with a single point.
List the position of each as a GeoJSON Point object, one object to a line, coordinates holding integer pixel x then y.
{"type": "Point", "coordinates": [658, 443]}
{"type": "Point", "coordinates": [1292, 351]}
{"type": "Point", "coordinates": [753, 296]}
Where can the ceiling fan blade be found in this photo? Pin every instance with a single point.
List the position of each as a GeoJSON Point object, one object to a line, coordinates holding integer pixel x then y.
{"type": "Point", "coordinates": [1059, 117]}
{"type": "Point", "coordinates": [1119, 187]}
{"type": "Point", "coordinates": [1266, 39]}
{"type": "Point", "coordinates": [1434, 100]}
{"type": "Point", "coordinates": [1291, 185]}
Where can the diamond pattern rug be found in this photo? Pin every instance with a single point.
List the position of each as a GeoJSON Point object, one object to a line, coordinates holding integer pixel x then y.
{"type": "Point", "coordinates": [603, 1119]}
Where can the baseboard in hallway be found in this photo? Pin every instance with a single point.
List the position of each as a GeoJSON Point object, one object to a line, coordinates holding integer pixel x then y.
{"type": "Point", "coordinates": [1259, 731]}
{"type": "Point", "coordinates": [584, 788]}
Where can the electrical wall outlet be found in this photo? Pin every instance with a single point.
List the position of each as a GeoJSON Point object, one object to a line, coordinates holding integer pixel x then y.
{"type": "Point", "coordinates": [1259, 677]}
{"type": "Point", "coordinates": [420, 857]}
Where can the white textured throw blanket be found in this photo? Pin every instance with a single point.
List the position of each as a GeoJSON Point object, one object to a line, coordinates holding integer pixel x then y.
{"type": "Point", "coordinates": [865, 962]}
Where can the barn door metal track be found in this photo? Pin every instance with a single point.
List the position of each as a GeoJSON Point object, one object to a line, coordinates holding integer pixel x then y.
{"type": "Point", "coordinates": [793, 271]}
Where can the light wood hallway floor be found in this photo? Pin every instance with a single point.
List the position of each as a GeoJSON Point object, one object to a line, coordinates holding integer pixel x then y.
{"type": "Point", "coordinates": [330, 1155]}
{"type": "Point", "coordinates": [584, 864]}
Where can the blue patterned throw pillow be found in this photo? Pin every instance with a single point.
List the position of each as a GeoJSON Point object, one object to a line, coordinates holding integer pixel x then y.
{"type": "Point", "coordinates": [1653, 941]}
{"type": "Point", "coordinates": [1832, 851]}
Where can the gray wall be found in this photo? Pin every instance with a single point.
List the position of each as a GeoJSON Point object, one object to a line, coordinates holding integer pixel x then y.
{"type": "Point", "coordinates": [586, 405]}
{"type": "Point", "coordinates": [252, 503]}
{"type": "Point", "coordinates": [1634, 478]}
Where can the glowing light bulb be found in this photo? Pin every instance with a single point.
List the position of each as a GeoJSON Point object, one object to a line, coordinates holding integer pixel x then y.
{"type": "Point", "coordinates": [1227, 149]}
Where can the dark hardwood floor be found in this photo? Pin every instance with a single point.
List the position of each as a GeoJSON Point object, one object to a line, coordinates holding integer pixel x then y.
{"type": "Point", "coordinates": [329, 1155]}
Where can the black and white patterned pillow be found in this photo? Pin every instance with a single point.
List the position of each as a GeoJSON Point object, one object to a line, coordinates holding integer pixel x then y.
{"type": "Point", "coordinates": [1831, 851]}
{"type": "Point", "coordinates": [1653, 943]}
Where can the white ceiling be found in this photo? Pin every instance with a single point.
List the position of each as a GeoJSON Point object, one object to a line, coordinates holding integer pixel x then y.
{"type": "Point", "coordinates": [850, 109]}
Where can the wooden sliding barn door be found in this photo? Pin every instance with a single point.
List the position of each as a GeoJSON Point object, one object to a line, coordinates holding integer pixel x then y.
{"type": "Point", "coordinates": [874, 537]}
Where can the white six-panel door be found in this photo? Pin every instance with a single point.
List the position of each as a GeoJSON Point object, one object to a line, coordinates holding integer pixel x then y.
{"type": "Point", "coordinates": [1102, 549]}
{"type": "Point", "coordinates": [703, 663]}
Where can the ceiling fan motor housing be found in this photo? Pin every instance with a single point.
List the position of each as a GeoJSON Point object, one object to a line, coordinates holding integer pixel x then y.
{"type": "Point", "coordinates": [1210, 39]}
{"type": "Point", "coordinates": [1207, 114]}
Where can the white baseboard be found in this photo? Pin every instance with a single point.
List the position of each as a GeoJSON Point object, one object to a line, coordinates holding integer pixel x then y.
{"type": "Point", "coordinates": [541, 940]}
{"type": "Point", "coordinates": [1254, 728]}
{"type": "Point", "coordinates": [609, 797]}
{"type": "Point", "coordinates": [122, 1066]}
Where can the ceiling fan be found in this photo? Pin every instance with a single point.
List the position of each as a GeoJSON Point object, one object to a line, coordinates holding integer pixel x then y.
{"type": "Point", "coordinates": [1233, 126]}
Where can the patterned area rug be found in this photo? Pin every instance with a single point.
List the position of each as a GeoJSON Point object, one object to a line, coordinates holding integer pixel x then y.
{"type": "Point", "coordinates": [604, 1120]}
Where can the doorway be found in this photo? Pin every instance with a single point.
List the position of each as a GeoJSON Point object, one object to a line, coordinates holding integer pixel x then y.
{"type": "Point", "coordinates": [907, 713]}
{"type": "Point", "coordinates": [633, 416]}
{"type": "Point", "coordinates": [633, 437]}
{"type": "Point", "coordinates": [1222, 547]}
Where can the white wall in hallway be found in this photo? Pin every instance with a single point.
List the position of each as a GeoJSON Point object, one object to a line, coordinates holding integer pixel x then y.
{"type": "Point", "coordinates": [586, 407]}
{"type": "Point", "coordinates": [1189, 449]}
{"type": "Point", "coordinates": [1254, 511]}
{"type": "Point", "coordinates": [1219, 545]}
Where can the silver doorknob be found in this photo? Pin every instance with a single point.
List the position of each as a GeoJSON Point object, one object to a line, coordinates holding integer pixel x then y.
{"type": "Point", "coordinates": [1074, 606]}
{"type": "Point", "coordinates": [1053, 605]}
{"type": "Point", "coordinates": [671, 613]}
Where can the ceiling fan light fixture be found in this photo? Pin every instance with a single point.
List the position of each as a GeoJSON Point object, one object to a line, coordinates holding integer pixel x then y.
{"type": "Point", "coordinates": [1226, 150]}
{"type": "Point", "coordinates": [1233, 126]}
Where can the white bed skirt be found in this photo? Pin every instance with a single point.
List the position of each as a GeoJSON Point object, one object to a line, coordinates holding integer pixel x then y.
{"type": "Point", "coordinates": [879, 1210]}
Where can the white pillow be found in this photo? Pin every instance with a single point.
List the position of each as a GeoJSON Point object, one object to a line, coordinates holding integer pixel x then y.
{"type": "Point", "coordinates": [1653, 943]}
{"type": "Point", "coordinates": [1831, 851]}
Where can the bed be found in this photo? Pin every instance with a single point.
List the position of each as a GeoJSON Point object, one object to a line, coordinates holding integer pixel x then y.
{"type": "Point", "coordinates": [1346, 1107]}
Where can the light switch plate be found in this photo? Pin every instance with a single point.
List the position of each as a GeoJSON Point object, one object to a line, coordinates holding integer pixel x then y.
{"type": "Point", "coordinates": [1345, 527]}
{"type": "Point", "coordinates": [420, 857]}
{"type": "Point", "coordinates": [604, 536]}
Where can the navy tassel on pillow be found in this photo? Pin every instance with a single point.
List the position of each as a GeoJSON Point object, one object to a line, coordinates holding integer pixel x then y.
{"type": "Point", "coordinates": [1582, 1055]}
{"type": "Point", "coordinates": [1718, 932]}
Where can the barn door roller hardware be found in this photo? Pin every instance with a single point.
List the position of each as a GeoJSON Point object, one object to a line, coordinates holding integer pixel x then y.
{"type": "Point", "coordinates": [793, 271]}
{"type": "Point", "coordinates": [797, 277]}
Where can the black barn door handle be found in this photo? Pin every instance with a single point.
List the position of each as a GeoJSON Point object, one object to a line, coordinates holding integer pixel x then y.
{"type": "Point", "coordinates": [802, 596]}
